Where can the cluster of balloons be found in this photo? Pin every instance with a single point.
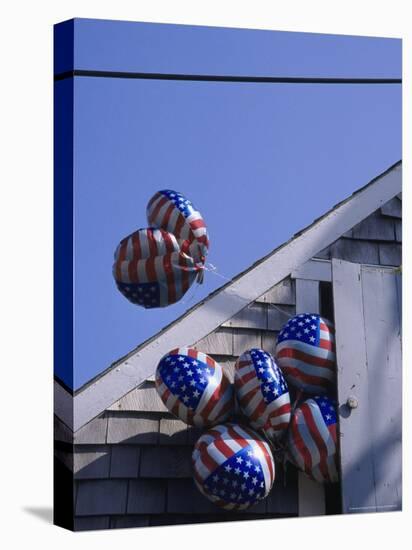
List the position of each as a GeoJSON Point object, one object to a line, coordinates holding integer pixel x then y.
{"type": "Point", "coordinates": [233, 463]}
{"type": "Point", "coordinates": [154, 267]}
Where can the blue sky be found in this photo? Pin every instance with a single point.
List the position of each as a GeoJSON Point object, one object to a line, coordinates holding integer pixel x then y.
{"type": "Point", "coordinates": [260, 161]}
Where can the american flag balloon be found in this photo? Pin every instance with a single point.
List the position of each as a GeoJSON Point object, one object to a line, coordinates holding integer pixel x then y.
{"type": "Point", "coordinates": [194, 387]}
{"type": "Point", "coordinates": [305, 351]}
{"type": "Point", "coordinates": [262, 392]}
{"type": "Point", "coordinates": [151, 270]}
{"type": "Point", "coordinates": [233, 466]}
{"type": "Point", "coordinates": [312, 445]}
{"type": "Point", "coordinates": [171, 211]}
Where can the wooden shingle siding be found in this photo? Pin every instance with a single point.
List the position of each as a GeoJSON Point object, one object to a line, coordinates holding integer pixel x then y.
{"type": "Point", "coordinates": [278, 316]}
{"type": "Point", "coordinates": [392, 208]}
{"type": "Point", "coordinates": [307, 296]}
{"type": "Point", "coordinates": [244, 339]}
{"type": "Point", "coordinates": [61, 432]}
{"type": "Point", "coordinates": [184, 498]}
{"type": "Point", "coordinates": [282, 293]}
{"type": "Point", "coordinates": [375, 227]}
{"type": "Point", "coordinates": [355, 251]}
{"type": "Point", "coordinates": [227, 363]}
{"type": "Point", "coordinates": [375, 240]}
{"type": "Point", "coordinates": [219, 342]}
{"type": "Point", "coordinates": [124, 461]}
{"type": "Point", "coordinates": [390, 254]}
{"type": "Point", "coordinates": [172, 432]}
{"type": "Point", "coordinates": [64, 403]}
{"type": "Point", "coordinates": [168, 462]}
{"type": "Point", "coordinates": [101, 497]}
{"type": "Point", "coordinates": [140, 399]}
{"type": "Point", "coordinates": [398, 230]}
{"type": "Point", "coordinates": [93, 432]}
{"type": "Point", "coordinates": [193, 434]}
{"type": "Point", "coordinates": [65, 457]}
{"type": "Point", "coordinates": [269, 340]}
{"type": "Point", "coordinates": [254, 316]}
{"type": "Point", "coordinates": [146, 496]}
{"type": "Point", "coordinates": [136, 429]}
{"type": "Point", "coordinates": [92, 462]}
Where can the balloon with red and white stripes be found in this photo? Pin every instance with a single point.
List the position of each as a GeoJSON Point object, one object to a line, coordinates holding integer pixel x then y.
{"type": "Point", "coordinates": [151, 270]}
{"type": "Point", "coordinates": [194, 387]}
{"type": "Point", "coordinates": [233, 466]}
{"type": "Point", "coordinates": [305, 351]}
{"type": "Point", "coordinates": [262, 392]}
{"type": "Point", "coordinates": [173, 212]}
{"type": "Point", "coordinates": [312, 440]}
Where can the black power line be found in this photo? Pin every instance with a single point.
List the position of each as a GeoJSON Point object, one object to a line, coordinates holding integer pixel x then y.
{"type": "Point", "coordinates": [224, 78]}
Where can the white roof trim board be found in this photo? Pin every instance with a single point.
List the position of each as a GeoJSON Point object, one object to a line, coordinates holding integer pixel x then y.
{"type": "Point", "coordinates": [221, 305]}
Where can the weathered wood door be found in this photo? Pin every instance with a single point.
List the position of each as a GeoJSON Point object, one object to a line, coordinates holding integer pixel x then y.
{"type": "Point", "coordinates": [367, 302]}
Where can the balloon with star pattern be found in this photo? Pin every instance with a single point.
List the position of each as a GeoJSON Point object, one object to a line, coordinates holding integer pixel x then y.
{"type": "Point", "coordinates": [233, 466]}
{"type": "Point", "coordinates": [262, 392]}
{"type": "Point", "coordinates": [194, 387]}
{"type": "Point", "coordinates": [173, 212]}
{"type": "Point", "coordinates": [312, 439]}
{"type": "Point", "coordinates": [151, 270]}
{"type": "Point", "coordinates": [305, 351]}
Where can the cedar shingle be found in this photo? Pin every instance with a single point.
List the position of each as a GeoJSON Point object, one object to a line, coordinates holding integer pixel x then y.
{"type": "Point", "coordinates": [92, 433]}
{"type": "Point", "coordinates": [172, 432]}
{"type": "Point", "coordinates": [244, 339]}
{"type": "Point", "coordinates": [353, 250]}
{"type": "Point", "coordinates": [392, 208]}
{"type": "Point", "coordinates": [282, 293]}
{"type": "Point", "coordinates": [143, 399]}
{"type": "Point", "coordinates": [219, 342]}
{"type": "Point", "coordinates": [167, 462]}
{"type": "Point", "coordinates": [184, 498]}
{"type": "Point", "coordinates": [228, 365]}
{"type": "Point", "coordinates": [398, 230]}
{"type": "Point", "coordinates": [65, 457]}
{"type": "Point", "coordinates": [278, 316]}
{"type": "Point", "coordinates": [101, 497]}
{"type": "Point", "coordinates": [124, 461]}
{"type": "Point", "coordinates": [193, 434]}
{"type": "Point", "coordinates": [324, 254]}
{"type": "Point", "coordinates": [62, 432]}
{"type": "Point", "coordinates": [132, 429]}
{"type": "Point", "coordinates": [390, 254]}
{"type": "Point", "coordinates": [146, 496]}
{"type": "Point", "coordinates": [375, 227]}
{"type": "Point", "coordinates": [91, 463]}
{"type": "Point", "coordinates": [269, 341]}
{"type": "Point", "coordinates": [253, 316]}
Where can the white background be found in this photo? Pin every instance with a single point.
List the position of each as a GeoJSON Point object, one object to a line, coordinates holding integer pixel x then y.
{"type": "Point", "coordinates": [26, 269]}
